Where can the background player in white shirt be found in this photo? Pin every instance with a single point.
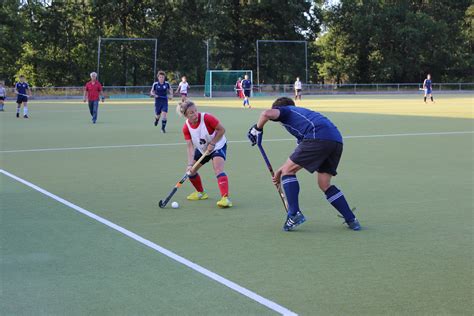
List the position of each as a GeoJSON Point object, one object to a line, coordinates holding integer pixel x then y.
{"type": "Point", "coordinates": [183, 88]}
{"type": "Point", "coordinates": [298, 88]}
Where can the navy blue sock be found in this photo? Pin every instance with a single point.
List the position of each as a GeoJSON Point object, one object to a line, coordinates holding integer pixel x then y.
{"type": "Point", "coordinates": [292, 189]}
{"type": "Point", "coordinates": [163, 123]}
{"type": "Point", "coordinates": [337, 199]}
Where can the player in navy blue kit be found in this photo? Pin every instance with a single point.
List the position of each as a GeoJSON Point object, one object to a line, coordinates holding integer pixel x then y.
{"type": "Point", "coordinates": [319, 149]}
{"type": "Point", "coordinates": [160, 90]}
{"type": "Point", "coordinates": [428, 87]}
{"type": "Point", "coordinates": [247, 87]}
{"type": "Point", "coordinates": [22, 89]}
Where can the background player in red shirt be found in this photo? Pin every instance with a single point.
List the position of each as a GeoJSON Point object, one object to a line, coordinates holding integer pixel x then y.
{"type": "Point", "coordinates": [203, 131]}
{"type": "Point", "coordinates": [92, 93]}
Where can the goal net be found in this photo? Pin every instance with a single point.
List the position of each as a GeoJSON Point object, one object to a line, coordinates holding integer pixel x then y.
{"type": "Point", "coordinates": [222, 83]}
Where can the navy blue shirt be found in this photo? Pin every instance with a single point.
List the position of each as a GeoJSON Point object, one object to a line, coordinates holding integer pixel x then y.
{"type": "Point", "coordinates": [306, 124]}
{"type": "Point", "coordinates": [246, 84]}
{"type": "Point", "coordinates": [161, 89]}
{"type": "Point", "coordinates": [22, 87]}
{"type": "Point", "coordinates": [428, 84]}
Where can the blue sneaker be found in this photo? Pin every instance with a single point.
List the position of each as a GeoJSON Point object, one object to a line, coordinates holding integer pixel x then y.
{"type": "Point", "coordinates": [293, 221]}
{"type": "Point", "coordinates": [354, 224]}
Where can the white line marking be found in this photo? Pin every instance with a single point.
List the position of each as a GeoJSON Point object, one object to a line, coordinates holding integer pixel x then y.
{"type": "Point", "coordinates": [231, 141]}
{"type": "Point", "coordinates": [234, 286]}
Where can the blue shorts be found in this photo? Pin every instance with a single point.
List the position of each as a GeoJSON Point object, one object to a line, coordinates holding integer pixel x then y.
{"type": "Point", "coordinates": [161, 105]}
{"type": "Point", "coordinates": [21, 98]}
{"type": "Point", "coordinates": [428, 91]}
{"type": "Point", "coordinates": [247, 93]}
{"type": "Point", "coordinates": [216, 153]}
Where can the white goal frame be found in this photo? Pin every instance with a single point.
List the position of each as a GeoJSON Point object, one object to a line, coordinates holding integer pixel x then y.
{"type": "Point", "coordinates": [230, 70]}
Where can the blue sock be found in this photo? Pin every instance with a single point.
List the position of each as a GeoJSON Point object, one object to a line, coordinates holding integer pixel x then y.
{"type": "Point", "coordinates": [292, 189]}
{"type": "Point", "coordinates": [163, 123]}
{"type": "Point", "coordinates": [337, 199]}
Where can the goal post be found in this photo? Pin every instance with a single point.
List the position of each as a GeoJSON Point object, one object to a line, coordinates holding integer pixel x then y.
{"type": "Point", "coordinates": [221, 83]}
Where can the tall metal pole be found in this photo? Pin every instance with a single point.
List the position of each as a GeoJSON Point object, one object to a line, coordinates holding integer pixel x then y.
{"type": "Point", "coordinates": [207, 54]}
{"type": "Point", "coordinates": [154, 65]}
{"type": "Point", "coordinates": [258, 68]}
{"type": "Point", "coordinates": [98, 59]}
{"type": "Point", "coordinates": [306, 59]}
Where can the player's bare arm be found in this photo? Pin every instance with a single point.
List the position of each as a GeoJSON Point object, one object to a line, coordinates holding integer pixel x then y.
{"type": "Point", "coordinates": [220, 131]}
{"type": "Point", "coordinates": [266, 115]}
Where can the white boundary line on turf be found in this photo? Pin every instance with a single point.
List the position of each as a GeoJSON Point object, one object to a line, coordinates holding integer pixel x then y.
{"type": "Point", "coordinates": [231, 141]}
{"type": "Point", "coordinates": [214, 276]}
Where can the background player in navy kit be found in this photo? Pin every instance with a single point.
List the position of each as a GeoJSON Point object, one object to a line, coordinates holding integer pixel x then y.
{"type": "Point", "coordinates": [319, 149]}
{"type": "Point", "coordinates": [3, 96]}
{"type": "Point", "coordinates": [247, 86]}
{"type": "Point", "coordinates": [160, 90]}
{"type": "Point", "coordinates": [22, 89]}
{"type": "Point", "coordinates": [428, 87]}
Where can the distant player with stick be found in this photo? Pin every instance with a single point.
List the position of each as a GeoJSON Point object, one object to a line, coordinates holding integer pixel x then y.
{"type": "Point", "coordinates": [247, 86]}
{"type": "Point", "coordinates": [3, 96]}
{"type": "Point", "coordinates": [183, 88]}
{"type": "Point", "coordinates": [428, 88]}
{"type": "Point", "coordinates": [92, 93]}
{"type": "Point", "coordinates": [238, 89]}
{"type": "Point", "coordinates": [22, 90]}
{"type": "Point", "coordinates": [159, 91]}
{"type": "Point", "coordinates": [319, 149]}
{"type": "Point", "coordinates": [204, 134]}
{"type": "Point", "coordinates": [298, 87]}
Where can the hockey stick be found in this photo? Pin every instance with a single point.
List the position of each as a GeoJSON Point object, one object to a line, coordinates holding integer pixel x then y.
{"type": "Point", "coordinates": [163, 203]}
{"type": "Point", "coordinates": [270, 168]}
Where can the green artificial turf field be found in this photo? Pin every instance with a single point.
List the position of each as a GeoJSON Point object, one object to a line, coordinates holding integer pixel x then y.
{"type": "Point", "coordinates": [407, 166]}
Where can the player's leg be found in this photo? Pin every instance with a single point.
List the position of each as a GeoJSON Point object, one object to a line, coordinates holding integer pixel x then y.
{"type": "Point", "coordinates": [2, 100]}
{"type": "Point", "coordinates": [218, 162]}
{"type": "Point", "coordinates": [158, 107]}
{"type": "Point", "coordinates": [333, 194]}
{"type": "Point", "coordinates": [424, 99]}
{"type": "Point", "coordinates": [18, 107]}
{"type": "Point", "coordinates": [291, 186]}
{"type": "Point", "coordinates": [95, 110]}
{"type": "Point", "coordinates": [195, 179]}
{"type": "Point", "coordinates": [91, 108]}
{"type": "Point", "coordinates": [431, 97]}
{"type": "Point", "coordinates": [164, 114]}
{"type": "Point", "coordinates": [25, 109]}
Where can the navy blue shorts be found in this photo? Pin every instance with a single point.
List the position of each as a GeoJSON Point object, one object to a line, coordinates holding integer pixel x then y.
{"type": "Point", "coordinates": [216, 153]}
{"type": "Point", "coordinates": [21, 98]}
{"type": "Point", "coordinates": [318, 155]}
{"type": "Point", "coordinates": [161, 105]}
{"type": "Point", "coordinates": [2, 98]}
{"type": "Point", "coordinates": [428, 91]}
{"type": "Point", "coordinates": [247, 93]}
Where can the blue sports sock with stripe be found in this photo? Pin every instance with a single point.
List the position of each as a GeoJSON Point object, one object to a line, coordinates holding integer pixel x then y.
{"type": "Point", "coordinates": [292, 189]}
{"type": "Point", "coordinates": [337, 199]}
{"type": "Point", "coordinates": [163, 123]}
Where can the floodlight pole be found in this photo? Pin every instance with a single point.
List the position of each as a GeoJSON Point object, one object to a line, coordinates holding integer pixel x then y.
{"type": "Point", "coordinates": [283, 41]}
{"type": "Point", "coordinates": [98, 58]}
{"type": "Point", "coordinates": [207, 54]}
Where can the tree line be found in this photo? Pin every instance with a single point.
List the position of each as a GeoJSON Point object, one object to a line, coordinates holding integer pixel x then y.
{"type": "Point", "coordinates": [54, 43]}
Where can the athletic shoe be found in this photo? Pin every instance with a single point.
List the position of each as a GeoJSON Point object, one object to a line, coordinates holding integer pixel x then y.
{"type": "Point", "coordinates": [93, 122]}
{"type": "Point", "coordinates": [224, 202]}
{"type": "Point", "coordinates": [196, 196]}
{"type": "Point", "coordinates": [25, 116]}
{"type": "Point", "coordinates": [293, 221]}
{"type": "Point", "coordinates": [156, 122]}
{"type": "Point", "coordinates": [354, 224]}
{"type": "Point", "coordinates": [18, 115]}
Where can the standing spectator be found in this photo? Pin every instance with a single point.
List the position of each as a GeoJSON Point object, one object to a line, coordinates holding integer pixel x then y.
{"type": "Point", "coordinates": [92, 93]}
